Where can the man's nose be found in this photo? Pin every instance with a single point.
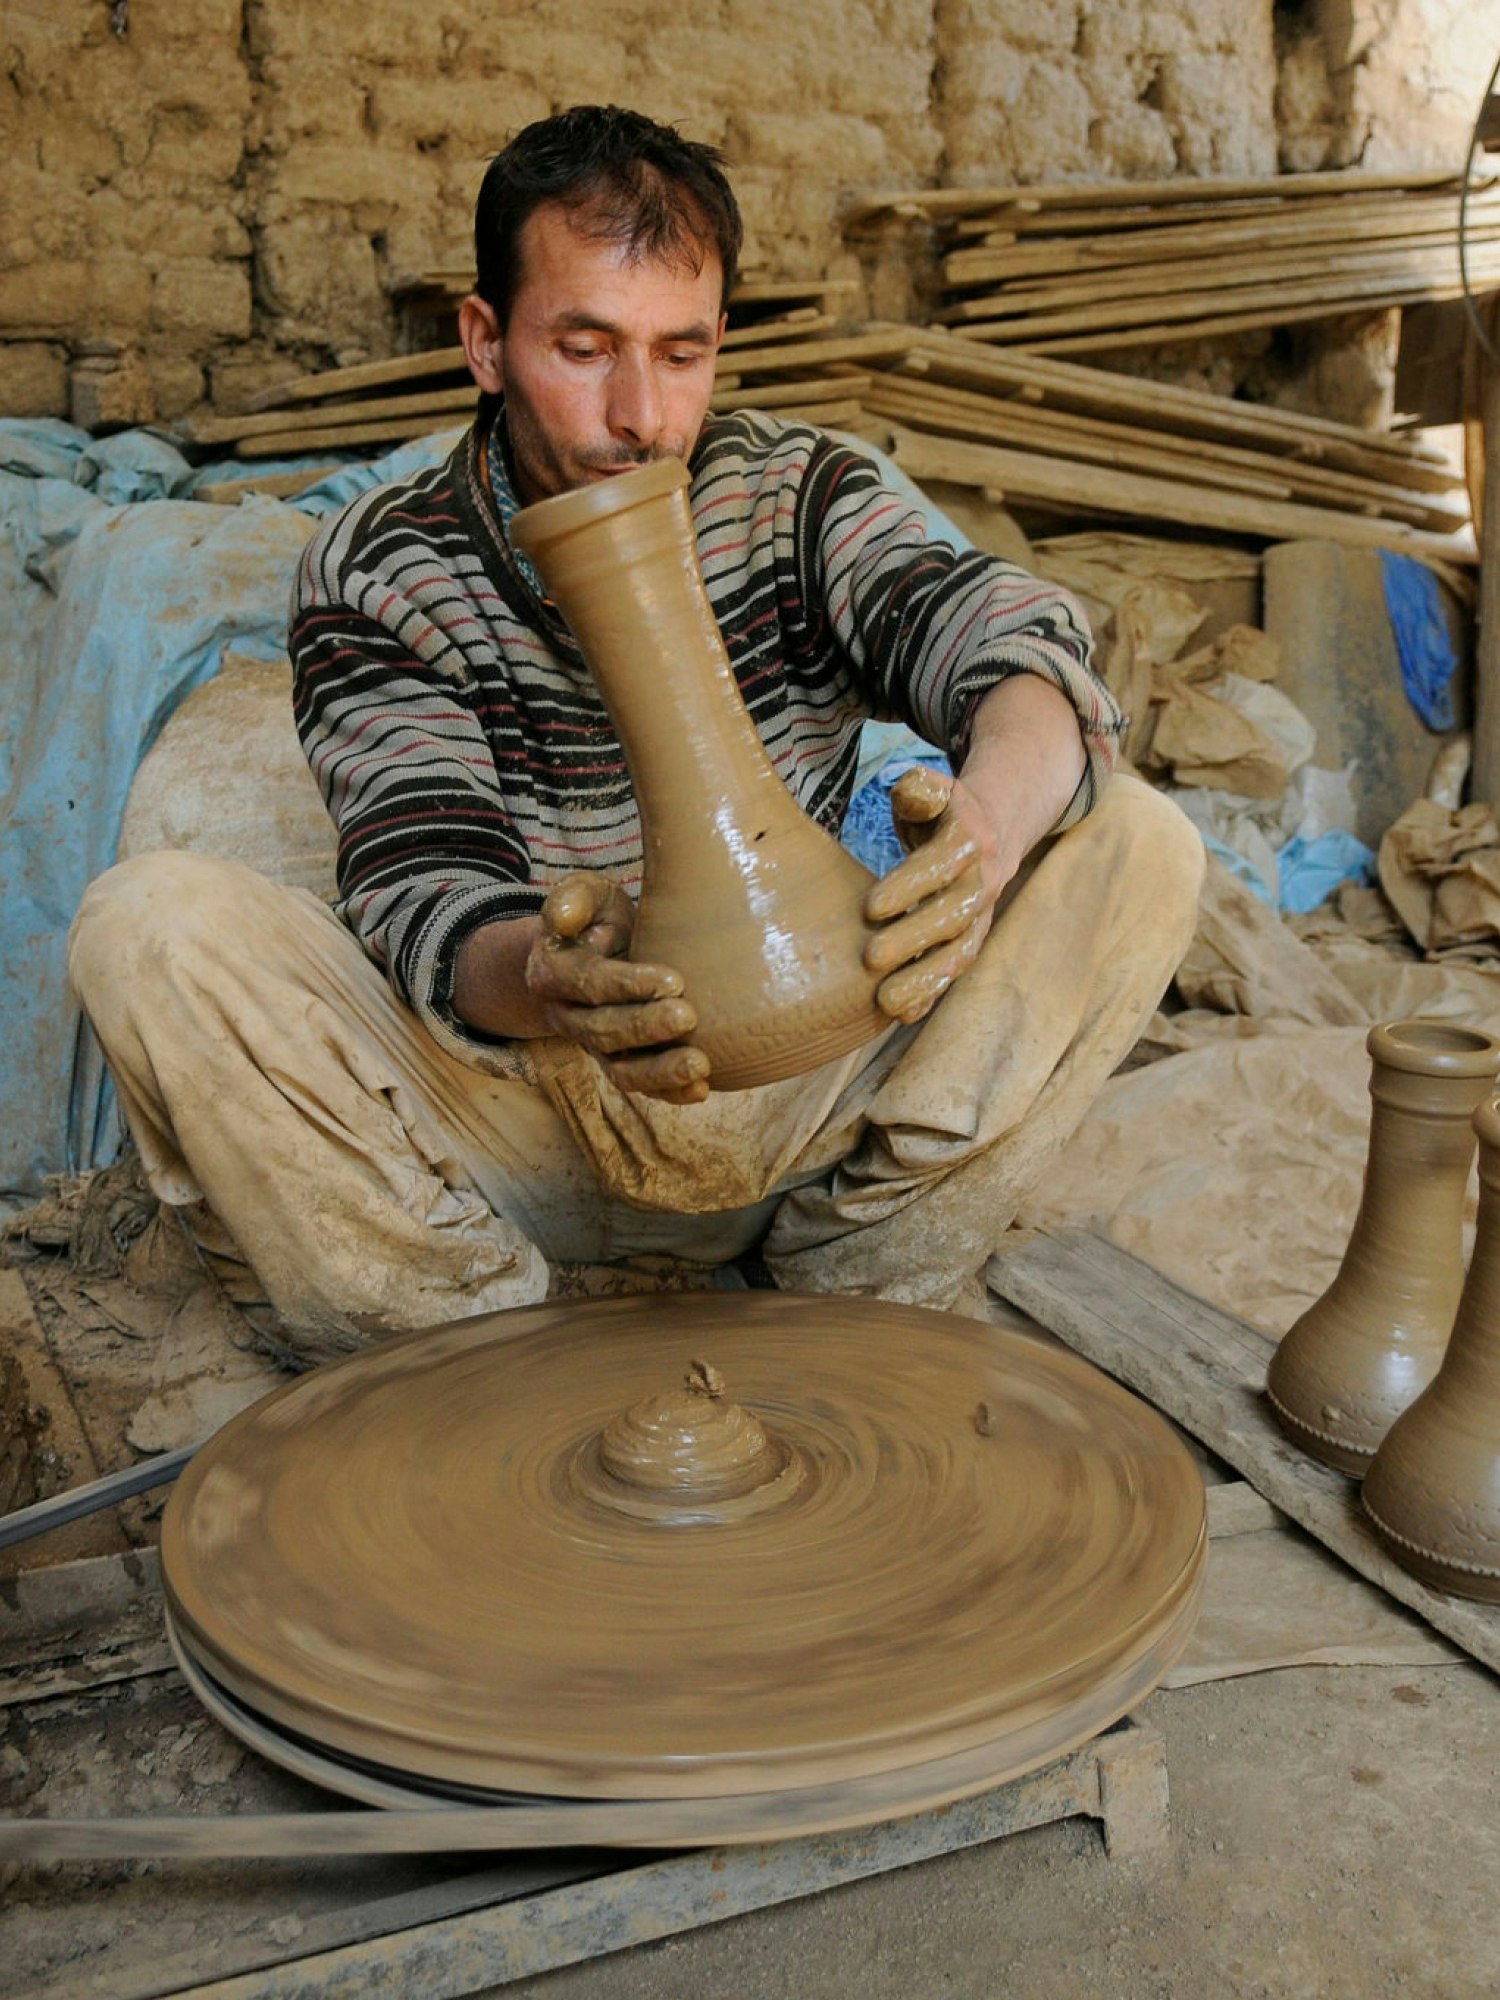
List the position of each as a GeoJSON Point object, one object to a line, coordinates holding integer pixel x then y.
{"type": "Point", "coordinates": [635, 411]}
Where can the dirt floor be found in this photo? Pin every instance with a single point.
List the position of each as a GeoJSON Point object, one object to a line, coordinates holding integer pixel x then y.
{"type": "Point", "coordinates": [1334, 1834]}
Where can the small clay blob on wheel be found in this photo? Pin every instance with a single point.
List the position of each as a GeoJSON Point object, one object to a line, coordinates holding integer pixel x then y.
{"type": "Point", "coordinates": [692, 1546]}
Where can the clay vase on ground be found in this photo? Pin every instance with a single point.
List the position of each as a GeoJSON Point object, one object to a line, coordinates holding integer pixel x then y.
{"type": "Point", "coordinates": [1367, 1349]}
{"type": "Point", "coordinates": [1433, 1492]}
{"type": "Point", "coordinates": [755, 905]}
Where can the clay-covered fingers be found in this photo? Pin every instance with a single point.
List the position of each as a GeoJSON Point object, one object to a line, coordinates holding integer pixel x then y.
{"type": "Point", "coordinates": [608, 1030]}
{"type": "Point", "coordinates": [918, 797]}
{"type": "Point", "coordinates": [938, 920]}
{"type": "Point", "coordinates": [578, 959]}
{"type": "Point", "coordinates": [674, 1076]}
{"type": "Point", "coordinates": [915, 989]}
{"type": "Point", "coordinates": [589, 908]}
{"type": "Point", "coordinates": [949, 854]}
{"type": "Point", "coordinates": [580, 975]}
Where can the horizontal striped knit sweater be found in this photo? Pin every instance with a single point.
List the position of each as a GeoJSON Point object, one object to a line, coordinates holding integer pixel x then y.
{"type": "Point", "coordinates": [468, 760]}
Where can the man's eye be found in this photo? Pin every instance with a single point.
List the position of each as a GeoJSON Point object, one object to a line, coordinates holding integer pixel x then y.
{"type": "Point", "coordinates": [685, 360]}
{"type": "Point", "coordinates": [581, 352]}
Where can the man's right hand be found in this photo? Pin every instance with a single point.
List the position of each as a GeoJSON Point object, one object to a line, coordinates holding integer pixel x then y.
{"type": "Point", "coordinates": [631, 1017]}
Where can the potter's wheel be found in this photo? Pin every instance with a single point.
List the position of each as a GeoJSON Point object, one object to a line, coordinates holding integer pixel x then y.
{"type": "Point", "coordinates": [866, 1559]}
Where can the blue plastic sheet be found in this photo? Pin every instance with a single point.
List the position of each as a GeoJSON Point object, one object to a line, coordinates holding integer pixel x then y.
{"type": "Point", "coordinates": [1415, 603]}
{"type": "Point", "coordinates": [1238, 866]}
{"type": "Point", "coordinates": [1312, 869]}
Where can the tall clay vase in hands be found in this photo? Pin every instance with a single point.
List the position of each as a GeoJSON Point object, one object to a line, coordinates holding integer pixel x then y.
{"type": "Point", "coordinates": [1433, 1493]}
{"type": "Point", "coordinates": [755, 905]}
{"type": "Point", "coordinates": [1372, 1343]}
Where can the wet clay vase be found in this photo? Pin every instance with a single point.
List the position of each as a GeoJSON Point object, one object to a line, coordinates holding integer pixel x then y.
{"type": "Point", "coordinates": [1433, 1492]}
{"type": "Point", "coordinates": [1367, 1349]}
{"type": "Point", "coordinates": [755, 905]}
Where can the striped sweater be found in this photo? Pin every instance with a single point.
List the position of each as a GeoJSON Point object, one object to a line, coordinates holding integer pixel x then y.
{"type": "Point", "coordinates": [466, 757]}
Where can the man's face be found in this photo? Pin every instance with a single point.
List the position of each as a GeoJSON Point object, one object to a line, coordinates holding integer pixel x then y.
{"type": "Point", "coordinates": [605, 362]}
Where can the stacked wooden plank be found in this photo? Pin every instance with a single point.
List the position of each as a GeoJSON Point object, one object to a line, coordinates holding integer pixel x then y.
{"type": "Point", "coordinates": [1055, 434]}
{"type": "Point", "coordinates": [1075, 270]}
{"type": "Point", "coordinates": [383, 402]}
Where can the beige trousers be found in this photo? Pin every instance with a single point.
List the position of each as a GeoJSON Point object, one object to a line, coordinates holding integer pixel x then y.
{"type": "Point", "coordinates": [275, 1086]}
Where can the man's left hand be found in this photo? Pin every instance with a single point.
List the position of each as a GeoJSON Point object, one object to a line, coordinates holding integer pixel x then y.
{"type": "Point", "coordinates": [968, 836]}
{"type": "Point", "coordinates": [935, 908]}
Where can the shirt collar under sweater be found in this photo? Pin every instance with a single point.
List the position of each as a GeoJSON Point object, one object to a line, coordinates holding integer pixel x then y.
{"type": "Point", "coordinates": [503, 495]}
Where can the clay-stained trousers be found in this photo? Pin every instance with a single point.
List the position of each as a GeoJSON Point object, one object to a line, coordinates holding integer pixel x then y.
{"type": "Point", "coordinates": [276, 1088]}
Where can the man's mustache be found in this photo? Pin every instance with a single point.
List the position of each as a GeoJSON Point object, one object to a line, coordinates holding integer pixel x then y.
{"type": "Point", "coordinates": [622, 455]}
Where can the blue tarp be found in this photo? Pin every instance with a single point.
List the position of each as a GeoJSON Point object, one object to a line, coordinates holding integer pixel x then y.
{"type": "Point", "coordinates": [1425, 645]}
{"type": "Point", "coordinates": [1312, 869]}
{"type": "Point", "coordinates": [119, 595]}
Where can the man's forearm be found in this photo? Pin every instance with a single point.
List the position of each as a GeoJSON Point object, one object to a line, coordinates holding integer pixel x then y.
{"type": "Point", "coordinates": [1026, 758]}
{"type": "Point", "coordinates": [489, 980]}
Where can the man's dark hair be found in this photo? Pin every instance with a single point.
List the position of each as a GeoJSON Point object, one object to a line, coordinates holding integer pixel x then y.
{"type": "Point", "coordinates": [627, 180]}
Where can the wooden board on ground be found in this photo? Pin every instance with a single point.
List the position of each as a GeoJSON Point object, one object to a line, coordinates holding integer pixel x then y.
{"type": "Point", "coordinates": [63, 1434]}
{"type": "Point", "coordinates": [260, 1934]}
{"type": "Point", "coordinates": [78, 1625]}
{"type": "Point", "coordinates": [1206, 1370]}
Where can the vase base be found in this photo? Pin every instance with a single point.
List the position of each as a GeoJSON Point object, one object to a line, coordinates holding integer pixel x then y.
{"type": "Point", "coordinates": [1448, 1573]}
{"type": "Point", "coordinates": [745, 1059]}
{"type": "Point", "coordinates": [1340, 1453]}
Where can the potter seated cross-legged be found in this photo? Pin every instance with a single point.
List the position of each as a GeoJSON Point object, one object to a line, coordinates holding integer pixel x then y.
{"type": "Point", "coordinates": [409, 1108]}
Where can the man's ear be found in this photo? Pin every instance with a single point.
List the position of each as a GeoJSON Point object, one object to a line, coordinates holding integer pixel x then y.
{"type": "Point", "coordinates": [479, 330]}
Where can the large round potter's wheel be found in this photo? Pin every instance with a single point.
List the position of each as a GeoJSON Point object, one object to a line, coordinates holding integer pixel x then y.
{"type": "Point", "coordinates": [871, 1558]}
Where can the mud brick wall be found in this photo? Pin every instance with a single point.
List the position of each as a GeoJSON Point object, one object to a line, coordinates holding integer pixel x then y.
{"type": "Point", "coordinates": [217, 187]}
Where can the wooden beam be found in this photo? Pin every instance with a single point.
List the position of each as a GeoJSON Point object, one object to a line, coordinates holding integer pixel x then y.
{"type": "Point", "coordinates": [1484, 783]}
{"type": "Point", "coordinates": [1191, 412]}
{"type": "Point", "coordinates": [1064, 435]}
{"type": "Point", "coordinates": [1057, 482]}
{"type": "Point", "coordinates": [350, 381]}
{"type": "Point", "coordinates": [374, 409]}
{"type": "Point", "coordinates": [938, 203]}
{"type": "Point", "coordinates": [1400, 283]}
{"type": "Point", "coordinates": [338, 437]}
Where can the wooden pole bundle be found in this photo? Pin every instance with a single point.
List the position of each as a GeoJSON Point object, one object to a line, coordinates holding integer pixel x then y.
{"type": "Point", "coordinates": [1067, 270]}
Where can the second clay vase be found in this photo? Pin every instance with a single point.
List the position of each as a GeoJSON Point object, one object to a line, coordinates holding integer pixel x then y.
{"type": "Point", "coordinates": [755, 905]}
{"type": "Point", "coordinates": [1366, 1350]}
{"type": "Point", "coordinates": [1433, 1493]}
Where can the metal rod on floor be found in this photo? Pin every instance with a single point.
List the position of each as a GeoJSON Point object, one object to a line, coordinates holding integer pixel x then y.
{"type": "Point", "coordinates": [81, 1500]}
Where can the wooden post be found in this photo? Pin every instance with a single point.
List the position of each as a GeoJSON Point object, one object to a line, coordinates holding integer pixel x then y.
{"type": "Point", "coordinates": [1485, 783]}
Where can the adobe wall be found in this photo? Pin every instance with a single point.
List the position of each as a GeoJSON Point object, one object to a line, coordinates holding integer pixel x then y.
{"type": "Point", "coordinates": [222, 185]}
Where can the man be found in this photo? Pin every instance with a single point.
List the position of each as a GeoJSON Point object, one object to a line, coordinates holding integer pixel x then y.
{"type": "Point", "coordinates": [416, 1130]}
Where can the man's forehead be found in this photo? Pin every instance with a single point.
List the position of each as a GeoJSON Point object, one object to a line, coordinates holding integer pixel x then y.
{"type": "Point", "coordinates": [562, 245]}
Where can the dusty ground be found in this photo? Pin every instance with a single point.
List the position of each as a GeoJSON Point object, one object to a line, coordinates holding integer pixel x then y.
{"type": "Point", "coordinates": [1334, 1833]}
